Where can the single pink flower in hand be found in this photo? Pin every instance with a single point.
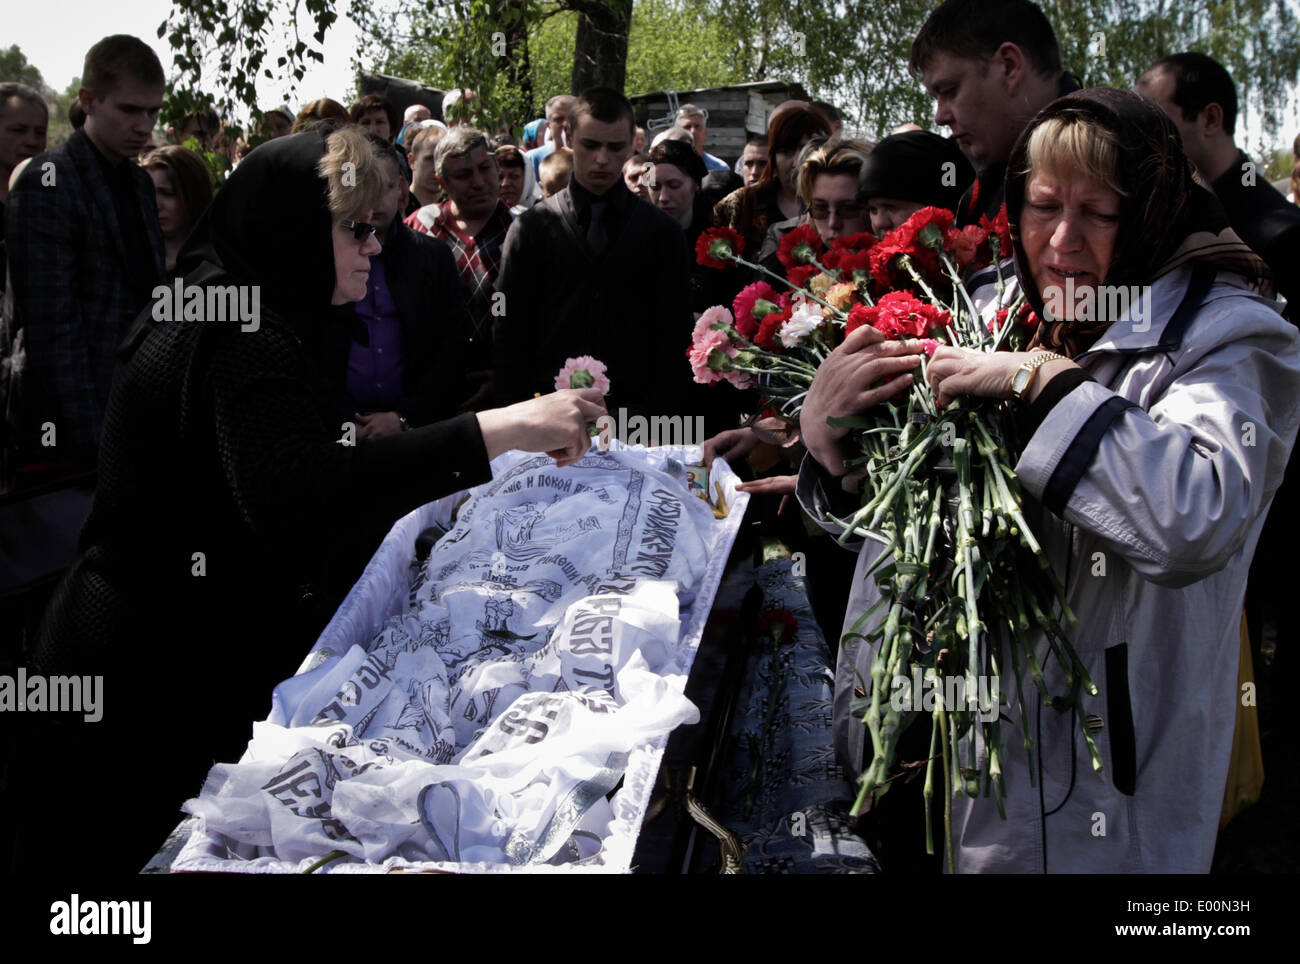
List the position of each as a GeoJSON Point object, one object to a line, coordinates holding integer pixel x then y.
{"type": "Point", "coordinates": [583, 372]}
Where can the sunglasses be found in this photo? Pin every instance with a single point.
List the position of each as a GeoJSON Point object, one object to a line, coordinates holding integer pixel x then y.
{"type": "Point", "coordinates": [360, 230]}
{"type": "Point", "coordinates": [849, 210]}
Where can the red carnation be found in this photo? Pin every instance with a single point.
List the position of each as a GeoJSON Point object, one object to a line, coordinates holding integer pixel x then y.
{"type": "Point", "coordinates": [861, 241]}
{"type": "Point", "coordinates": [920, 237]}
{"type": "Point", "coordinates": [900, 315]}
{"type": "Point", "coordinates": [766, 337]}
{"type": "Point", "coordinates": [1000, 230]}
{"type": "Point", "coordinates": [881, 263]}
{"type": "Point", "coordinates": [800, 275]}
{"type": "Point", "coordinates": [716, 247]}
{"type": "Point", "coordinates": [800, 246]}
{"type": "Point", "coordinates": [860, 315]}
{"type": "Point", "coordinates": [853, 263]}
{"type": "Point", "coordinates": [965, 244]}
{"type": "Point", "coordinates": [928, 226]}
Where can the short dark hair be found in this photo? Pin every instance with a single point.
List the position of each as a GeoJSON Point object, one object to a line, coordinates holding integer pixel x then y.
{"type": "Point", "coordinates": [975, 29]}
{"type": "Point", "coordinates": [604, 104]}
{"type": "Point", "coordinates": [116, 57]}
{"type": "Point", "coordinates": [374, 102]}
{"type": "Point", "coordinates": [11, 89]}
{"type": "Point", "coordinates": [681, 156]}
{"type": "Point", "coordinates": [508, 155]}
{"type": "Point", "coordinates": [1199, 81]}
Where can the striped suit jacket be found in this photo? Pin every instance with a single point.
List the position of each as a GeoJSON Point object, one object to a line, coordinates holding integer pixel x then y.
{"type": "Point", "coordinates": [72, 296]}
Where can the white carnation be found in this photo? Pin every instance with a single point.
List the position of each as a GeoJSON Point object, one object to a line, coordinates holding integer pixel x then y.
{"type": "Point", "coordinates": [806, 318]}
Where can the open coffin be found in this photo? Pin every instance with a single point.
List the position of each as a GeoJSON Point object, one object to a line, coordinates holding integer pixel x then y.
{"type": "Point", "coordinates": [473, 712]}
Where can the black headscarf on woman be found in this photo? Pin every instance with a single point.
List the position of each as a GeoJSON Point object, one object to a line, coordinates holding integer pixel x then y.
{"type": "Point", "coordinates": [270, 225]}
{"type": "Point", "coordinates": [1165, 219]}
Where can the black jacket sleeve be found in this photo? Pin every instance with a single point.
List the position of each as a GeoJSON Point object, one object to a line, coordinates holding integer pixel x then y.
{"type": "Point", "coordinates": [434, 316]}
{"type": "Point", "coordinates": [285, 464]}
{"type": "Point", "coordinates": [512, 347]}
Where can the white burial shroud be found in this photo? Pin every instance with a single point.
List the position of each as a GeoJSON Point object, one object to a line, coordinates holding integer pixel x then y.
{"type": "Point", "coordinates": [541, 643]}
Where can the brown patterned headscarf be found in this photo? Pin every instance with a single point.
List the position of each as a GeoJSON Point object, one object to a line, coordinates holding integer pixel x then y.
{"type": "Point", "coordinates": [1166, 217]}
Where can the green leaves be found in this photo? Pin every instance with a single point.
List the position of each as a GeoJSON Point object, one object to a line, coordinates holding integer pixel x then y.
{"type": "Point", "coordinates": [220, 49]}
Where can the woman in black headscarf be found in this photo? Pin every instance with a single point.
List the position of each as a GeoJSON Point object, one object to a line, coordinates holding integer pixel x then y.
{"type": "Point", "coordinates": [233, 511]}
{"type": "Point", "coordinates": [1157, 431]}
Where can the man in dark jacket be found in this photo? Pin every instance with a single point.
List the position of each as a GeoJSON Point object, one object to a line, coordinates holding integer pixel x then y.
{"type": "Point", "coordinates": [1198, 95]}
{"type": "Point", "coordinates": [85, 249]}
{"type": "Point", "coordinates": [596, 271]}
{"type": "Point", "coordinates": [990, 66]}
{"type": "Point", "coordinates": [1200, 98]}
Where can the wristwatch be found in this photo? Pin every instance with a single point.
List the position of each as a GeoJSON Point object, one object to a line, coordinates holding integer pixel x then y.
{"type": "Point", "coordinates": [401, 420]}
{"type": "Point", "coordinates": [1024, 375]}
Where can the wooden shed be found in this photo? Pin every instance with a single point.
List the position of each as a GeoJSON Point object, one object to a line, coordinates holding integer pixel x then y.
{"type": "Point", "coordinates": [735, 113]}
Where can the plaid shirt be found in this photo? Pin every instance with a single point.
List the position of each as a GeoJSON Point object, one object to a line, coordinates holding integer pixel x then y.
{"type": "Point", "coordinates": [75, 294]}
{"type": "Point", "coordinates": [478, 259]}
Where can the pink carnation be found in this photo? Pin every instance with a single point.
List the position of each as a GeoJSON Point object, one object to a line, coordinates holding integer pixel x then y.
{"type": "Point", "coordinates": [588, 373]}
{"type": "Point", "coordinates": [717, 315]}
{"type": "Point", "coordinates": [702, 346]}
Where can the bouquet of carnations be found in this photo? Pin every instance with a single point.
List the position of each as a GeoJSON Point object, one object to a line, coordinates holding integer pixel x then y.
{"type": "Point", "coordinates": [964, 587]}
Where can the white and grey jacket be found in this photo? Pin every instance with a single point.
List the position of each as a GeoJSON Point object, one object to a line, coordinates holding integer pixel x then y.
{"type": "Point", "coordinates": [1153, 480]}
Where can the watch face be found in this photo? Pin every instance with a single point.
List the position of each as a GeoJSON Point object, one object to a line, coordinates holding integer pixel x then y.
{"type": "Point", "coordinates": [1020, 380]}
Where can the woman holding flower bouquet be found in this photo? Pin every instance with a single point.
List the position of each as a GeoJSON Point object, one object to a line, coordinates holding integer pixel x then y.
{"type": "Point", "coordinates": [1156, 406]}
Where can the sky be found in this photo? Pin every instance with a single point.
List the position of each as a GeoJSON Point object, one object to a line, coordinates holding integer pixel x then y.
{"type": "Point", "coordinates": [55, 35]}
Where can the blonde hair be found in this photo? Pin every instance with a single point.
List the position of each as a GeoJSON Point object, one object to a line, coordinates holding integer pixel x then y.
{"type": "Point", "coordinates": [354, 170]}
{"type": "Point", "coordinates": [832, 157]}
{"type": "Point", "coordinates": [1063, 146]}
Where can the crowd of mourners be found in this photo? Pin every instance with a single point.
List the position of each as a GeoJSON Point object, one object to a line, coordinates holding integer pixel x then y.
{"type": "Point", "coordinates": [420, 281]}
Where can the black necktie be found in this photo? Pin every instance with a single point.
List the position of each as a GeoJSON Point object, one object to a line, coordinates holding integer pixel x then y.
{"type": "Point", "coordinates": [597, 236]}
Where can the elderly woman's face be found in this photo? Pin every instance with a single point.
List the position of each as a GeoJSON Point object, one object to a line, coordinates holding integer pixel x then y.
{"type": "Point", "coordinates": [1068, 229]}
{"type": "Point", "coordinates": [352, 262]}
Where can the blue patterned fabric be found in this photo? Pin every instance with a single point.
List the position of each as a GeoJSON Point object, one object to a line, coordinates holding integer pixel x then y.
{"type": "Point", "coordinates": [787, 797]}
